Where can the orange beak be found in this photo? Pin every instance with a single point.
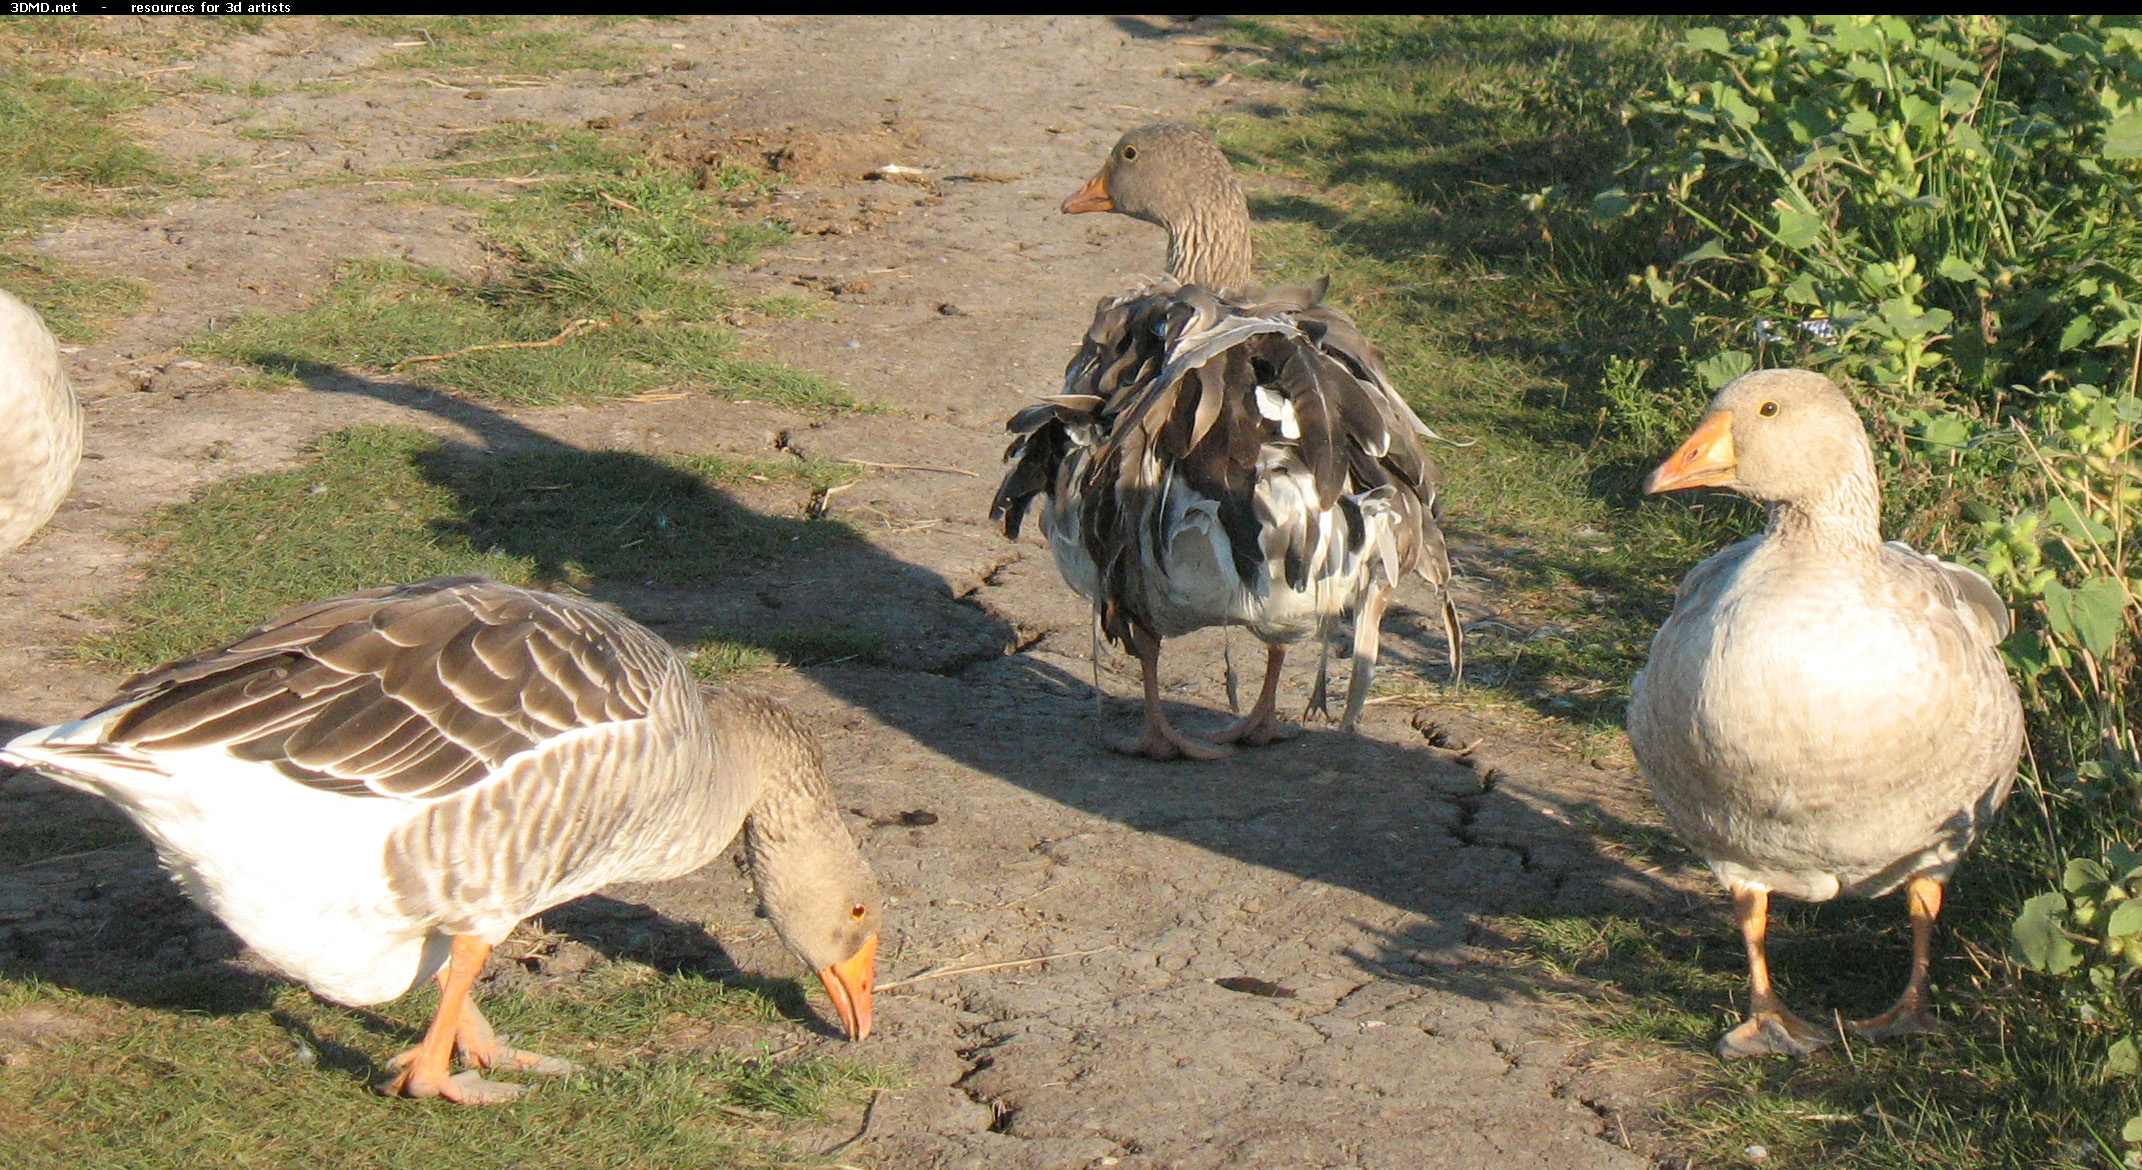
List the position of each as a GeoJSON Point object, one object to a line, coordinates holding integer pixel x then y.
{"type": "Point", "coordinates": [848, 985]}
{"type": "Point", "coordinates": [1705, 460]}
{"type": "Point", "coordinates": [1091, 197]}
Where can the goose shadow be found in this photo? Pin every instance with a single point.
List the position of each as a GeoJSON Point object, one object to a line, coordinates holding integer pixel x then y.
{"type": "Point", "coordinates": [1405, 824]}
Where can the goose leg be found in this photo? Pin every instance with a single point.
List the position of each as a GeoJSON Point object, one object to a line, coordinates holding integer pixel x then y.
{"type": "Point", "coordinates": [1911, 1015]}
{"type": "Point", "coordinates": [427, 1069]}
{"type": "Point", "coordinates": [1262, 725]}
{"type": "Point", "coordinates": [1161, 741]}
{"type": "Point", "coordinates": [1319, 704]}
{"type": "Point", "coordinates": [1368, 638]}
{"type": "Point", "coordinates": [477, 1044]}
{"type": "Point", "coordinates": [1771, 1028]}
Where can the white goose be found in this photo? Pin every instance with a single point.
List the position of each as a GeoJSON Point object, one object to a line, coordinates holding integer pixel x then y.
{"type": "Point", "coordinates": [376, 788]}
{"type": "Point", "coordinates": [40, 424]}
{"type": "Point", "coordinates": [1823, 713]}
{"type": "Point", "coordinates": [1224, 456]}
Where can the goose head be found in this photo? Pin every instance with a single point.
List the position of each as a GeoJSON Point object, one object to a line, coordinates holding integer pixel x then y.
{"type": "Point", "coordinates": [823, 901]}
{"type": "Point", "coordinates": [1172, 175]}
{"type": "Point", "coordinates": [1787, 438]}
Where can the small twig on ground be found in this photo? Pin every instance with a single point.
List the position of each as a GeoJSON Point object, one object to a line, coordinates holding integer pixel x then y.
{"type": "Point", "coordinates": [911, 467]}
{"type": "Point", "coordinates": [616, 202]}
{"type": "Point", "coordinates": [870, 1115]}
{"type": "Point", "coordinates": [583, 325]}
{"type": "Point", "coordinates": [949, 972]}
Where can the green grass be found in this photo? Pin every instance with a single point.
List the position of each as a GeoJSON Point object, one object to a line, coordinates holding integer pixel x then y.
{"type": "Point", "coordinates": [64, 153]}
{"type": "Point", "coordinates": [383, 505]}
{"type": "Point", "coordinates": [606, 291]}
{"type": "Point", "coordinates": [503, 46]}
{"type": "Point", "coordinates": [1418, 154]}
{"type": "Point", "coordinates": [211, 1073]}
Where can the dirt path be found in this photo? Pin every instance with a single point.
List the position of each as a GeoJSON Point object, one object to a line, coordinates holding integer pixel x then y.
{"type": "Point", "coordinates": [1273, 961]}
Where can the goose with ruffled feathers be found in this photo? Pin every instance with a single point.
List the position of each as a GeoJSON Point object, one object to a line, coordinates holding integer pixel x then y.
{"type": "Point", "coordinates": [1223, 455]}
{"type": "Point", "coordinates": [1823, 713]}
{"type": "Point", "coordinates": [374, 789]}
{"type": "Point", "coordinates": [40, 424]}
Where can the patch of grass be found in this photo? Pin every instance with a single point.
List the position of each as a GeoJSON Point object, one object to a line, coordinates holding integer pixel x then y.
{"type": "Point", "coordinates": [606, 291]}
{"type": "Point", "coordinates": [383, 505]}
{"type": "Point", "coordinates": [63, 153]}
{"type": "Point", "coordinates": [508, 46]}
{"type": "Point", "coordinates": [282, 1079]}
{"type": "Point", "coordinates": [74, 304]}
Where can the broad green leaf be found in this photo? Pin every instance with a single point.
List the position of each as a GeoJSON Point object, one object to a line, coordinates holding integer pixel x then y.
{"type": "Point", "coordinates": [1709, 40]}
{"type": "Point", "coordinates": [2089, 616]}
{"type": "Point", "coordinates": [1944, 430]}
{"type": "Point", "coordinates": [1712, 249]}
{"type": "Point", "coordinates": [2024, 653]}
{"type": "Point", "coordinates": [2077, 332]}
{"type": "Point", "coordinates": [2123, 139]}
{"type": "Point", "coordinates": [2082, 873]}
{"type": "Point", "coordinates": [1959, 97]}
{"type": "Point", "coordinates": [2132, 1131]}
{"type": "Point", "coordinates": [2125, 919]}
{"type": "Point", "coordinates": [1802, 290]}
{"type": "Point", "coordinates": [2121, 1060]}
{"type": "Point", "coordinates": [2040, 943]}
{"type": "Point", "coordinates": [1860, 123]}
{"type": "Point", "coordinates": [1960, 270]}
{"type": "Point", "coordinates": [1796, 228]}
{"type": "Point", "coordinates": [1734, 108]}
{"type": "Point", "coordinates": [2076, 522]}
{"type": "Point", "coordinates": [1612, 204]}
{"type": "Point", "coordinates": [1721, 368]}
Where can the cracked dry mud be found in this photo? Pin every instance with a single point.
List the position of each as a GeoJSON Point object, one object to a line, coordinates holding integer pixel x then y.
{"type": "Point", "coordinates": [1270, 961]}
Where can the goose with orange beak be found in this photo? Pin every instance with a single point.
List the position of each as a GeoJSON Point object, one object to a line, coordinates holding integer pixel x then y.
{"type": "Point", "coordinates": [1823, 713]}
{"type": "Point", "coordinates": [373, 790]}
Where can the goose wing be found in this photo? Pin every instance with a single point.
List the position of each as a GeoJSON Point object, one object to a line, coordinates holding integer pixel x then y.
{"type": "Point", "coordinates": [416, 692]}
{"type": "Point", "coordinates": [1954, 588]}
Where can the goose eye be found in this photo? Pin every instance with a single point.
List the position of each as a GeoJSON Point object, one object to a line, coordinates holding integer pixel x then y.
{"type": "Point", "coordinates": [858, 911]}
{"type": "Point", "coordinates": [1767, 409]}
{"type": "Point", "coordinates": [1130, 153]}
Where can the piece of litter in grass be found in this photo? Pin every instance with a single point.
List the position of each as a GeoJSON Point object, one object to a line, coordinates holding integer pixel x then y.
{"type": "Point", "coordinates": [1757, 1153]}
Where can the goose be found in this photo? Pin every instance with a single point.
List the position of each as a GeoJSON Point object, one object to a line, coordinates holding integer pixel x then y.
{"type": "Point", "coordinates": [1223, 455]}
{"type": "Point", "coordinates": [1822, 713]}
{"type": "Point", "coordinates": [374, 789]}
{"type": "Point", "coordinates": [40, 424]}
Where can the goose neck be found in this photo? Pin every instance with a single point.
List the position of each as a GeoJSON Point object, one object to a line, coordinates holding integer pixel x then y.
{"type": "Point", "coordinates": [1845, 522]}
{"type": "Point", "coordinates": [1210, 246]}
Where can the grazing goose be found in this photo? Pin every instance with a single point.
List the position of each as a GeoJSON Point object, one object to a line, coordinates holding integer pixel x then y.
{"type": "Point", "coordinates": [376, 788]}
{"type": "Point", "coordinates": [40, 424]}
{"type": "Point", "coordinates": [1221, 455]}
{"type": "Point", "coordinates": [1823, 713]}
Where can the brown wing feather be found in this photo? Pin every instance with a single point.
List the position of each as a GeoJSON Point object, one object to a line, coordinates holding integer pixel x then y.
{"type": "Point", "coordinates": [415, 692]}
